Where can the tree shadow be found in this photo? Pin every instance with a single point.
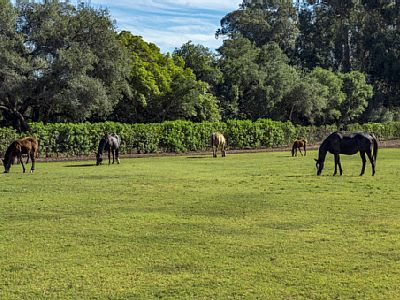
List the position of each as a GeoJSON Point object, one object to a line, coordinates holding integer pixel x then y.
{"type": "Point", "coordinates": [80, 166]}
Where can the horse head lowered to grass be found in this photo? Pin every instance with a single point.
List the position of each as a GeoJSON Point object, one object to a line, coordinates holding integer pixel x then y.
{"type": "Point", "coordinates": [111, 144]}
{"type": "Point", "coordinates": [27, 145]}
{"type": "Point", "coordinates": [351, 143]}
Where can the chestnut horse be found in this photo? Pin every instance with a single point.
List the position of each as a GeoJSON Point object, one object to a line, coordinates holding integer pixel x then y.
{"type": "Point", "coordinates": [27, 145]}
{"type": "Point", "coordinates": [218, 142]}
{"type": "Point", "coordinates": [298, 144]}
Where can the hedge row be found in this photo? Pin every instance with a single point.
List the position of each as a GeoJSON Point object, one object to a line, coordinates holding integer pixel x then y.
{"type": "Point", "coordinates": [179, 136]}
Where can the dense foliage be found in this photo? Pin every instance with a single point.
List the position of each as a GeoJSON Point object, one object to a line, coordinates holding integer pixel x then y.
{"type": "Point", "coordinates": [73, 139]}
{"type": "Point", "coordinates": [308, 62]}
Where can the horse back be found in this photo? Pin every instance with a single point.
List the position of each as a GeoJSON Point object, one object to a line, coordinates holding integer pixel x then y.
{"type": "Point", "coordinates": [27, 145]}
{"type": "Point", "coordinates": [217, 139]}
{"type": "Point", "coordinates": [350, 143]}
{"type": "Point", "coordinates": [113, 141]}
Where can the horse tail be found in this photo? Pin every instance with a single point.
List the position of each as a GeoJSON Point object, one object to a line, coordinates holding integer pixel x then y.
{"type": "Point", "coordinates": [375, 141]}
{"type": "Point", "coordinates": [212, 139]}
{"type": "Point", "coordinates": [37, 150]}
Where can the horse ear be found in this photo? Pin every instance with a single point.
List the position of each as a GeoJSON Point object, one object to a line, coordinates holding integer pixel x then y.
{"type": "Point", "coordinates": [316, 159]}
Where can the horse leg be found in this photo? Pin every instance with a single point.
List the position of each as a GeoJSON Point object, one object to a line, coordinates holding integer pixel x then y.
{"type": "Point", "coordinates": [340, 165]}
{"type": "Point", "coordinates": [214, 151]}
{"type": "Point", "coordinates": [117, 155]}
{"type": "Point", "coordinates": [337, 163]}
{"type": "Point", "coordinates": [362, 154]}
{"type": "Point", "coordinates": [22, 163]}
{"type": "Point", "coordinates": [113, 154]}
{"type": "Point", "coordinates": [223, 151]}
{"type": "Point", "coordinates": [109, 156]}
{"type": "Point", "coordinates": [334, 173]}
{"type": "Point", "coordinates": [32, 155]}
{"type": "Point", "coordinates": [305, 150]}
{"type": "Point", "coordinates": [371, 159]}
{"type": "Point", "coordinates": [300, 151]}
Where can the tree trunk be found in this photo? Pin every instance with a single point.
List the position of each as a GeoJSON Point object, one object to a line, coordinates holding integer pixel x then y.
{"type": "Point", "coordinates": [16, 119]}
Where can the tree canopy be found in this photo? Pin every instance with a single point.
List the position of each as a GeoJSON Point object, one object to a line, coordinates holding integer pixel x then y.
{"type": "Point", "coordinates": [307, 61]}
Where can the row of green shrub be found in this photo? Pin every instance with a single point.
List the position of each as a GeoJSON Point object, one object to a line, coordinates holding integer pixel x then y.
{"type": "Point", "coordinates": [179, 136]}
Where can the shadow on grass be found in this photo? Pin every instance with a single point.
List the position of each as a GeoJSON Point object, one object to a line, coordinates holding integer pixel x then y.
{"type": "Point", "coordinates": [80, 166]}
{"type": "Point", "coordinates": [197, 157]}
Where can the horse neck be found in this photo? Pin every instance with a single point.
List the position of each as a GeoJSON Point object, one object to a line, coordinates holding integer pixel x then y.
{"type": "Point", "coordinates": [10, 152]}
{"type": "Point", "coordinates": [102, 145]}
{"type": "Point", "coordinates": [322, 151]}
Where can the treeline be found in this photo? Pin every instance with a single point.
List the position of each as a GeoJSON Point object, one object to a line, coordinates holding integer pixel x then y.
{"type": "Point", "coordinates": [72, 139]}
{"type": "Point", "coordinates": [308, 62]}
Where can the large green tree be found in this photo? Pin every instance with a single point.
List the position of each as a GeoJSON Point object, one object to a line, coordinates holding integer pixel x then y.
{"type": "Point", "coordinates": [15, 70]}
{"type": "Point", "coordinates": [263, 22]}
{"type": "Point", "coordinates": [256, 80]}
{"type": "Point", "coordinates": [357, 92]}
{"type": "Point", "coordinates": [81, 71]}
{"type": "Point", "coordinates": [161, 88]}
{"type": "Point", "coordinates": [202, 61]}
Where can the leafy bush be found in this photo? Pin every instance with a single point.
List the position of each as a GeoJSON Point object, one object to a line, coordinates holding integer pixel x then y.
{"type": "Point", "coordinates": [69, 139]}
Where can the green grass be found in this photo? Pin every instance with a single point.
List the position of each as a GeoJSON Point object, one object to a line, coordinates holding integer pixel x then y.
{"type": "Point", "coordinates": [246, 226]}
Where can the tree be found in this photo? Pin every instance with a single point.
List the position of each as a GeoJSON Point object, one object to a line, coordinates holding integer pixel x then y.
{"type": "Point", "coordinates": [263, 22]}
{"type": "Point", "coordinates": [15, 71]}
{"type": "Point", "coordinates": [161, 88]}
{"type": "Point", "coordinates": [256, 79]}
{"type": "Point", "coordinates": [202, 61]}
{"type": "Point", "coordinates": [306, 102]}
{"type": "Point", "coordinates": [80, 72]}
{"type": "Point", "coordinates": [357, 92]}
{"type": "Point", "coordinates": [334, 96]}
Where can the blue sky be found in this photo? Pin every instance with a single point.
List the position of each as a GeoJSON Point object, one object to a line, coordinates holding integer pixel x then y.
{"type": "Point", "coordinates": [170, 23]}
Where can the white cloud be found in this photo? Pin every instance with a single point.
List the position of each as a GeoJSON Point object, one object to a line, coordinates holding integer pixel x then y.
{"type": "Point", "coordinates": [171, 23]}
{"type": "Point", "coordinates": [168, 4]}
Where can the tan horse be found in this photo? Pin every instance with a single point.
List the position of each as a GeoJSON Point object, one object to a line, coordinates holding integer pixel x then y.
{"type": "Point", "coordinates": [26, 145]}
{"type": "Point", "coordinates": [298, 144]}
{"type": "Point", "coordinates": [218, 142]}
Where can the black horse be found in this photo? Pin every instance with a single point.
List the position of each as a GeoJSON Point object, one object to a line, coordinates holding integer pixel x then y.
{"type": "Point", "coordinates": [111, 143]}
{"type": "Point", "coordinates": [340, 143]}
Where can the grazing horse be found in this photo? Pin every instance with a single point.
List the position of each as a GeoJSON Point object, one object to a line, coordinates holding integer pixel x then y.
{"type": "Point", "coordinates": [340, 143]}
{"type": "Point", "coordinates": [26, 145]}
{"type": "Point", "coordinates": [218, 142]}
{"type": "Point", "coordinates": [298, 144]}
{"type": "Point", "coordinates": [111, 143]}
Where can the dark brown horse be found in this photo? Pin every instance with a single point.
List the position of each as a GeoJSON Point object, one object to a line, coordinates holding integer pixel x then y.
{"type": "Point", "coordinates": [297, 145]}
{"type": "Point", "coordinates": [26, 145]}
{"type": "Point", "coordinates": [110, 143]}
{"type": "Point", "coordinates": [218, 142]}
{"type": "Point", "coordinates": [340, 143]}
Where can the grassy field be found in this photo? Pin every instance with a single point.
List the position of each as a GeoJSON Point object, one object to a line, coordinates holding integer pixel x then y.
{"type": "Point", "coordinates": [247, 226]}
